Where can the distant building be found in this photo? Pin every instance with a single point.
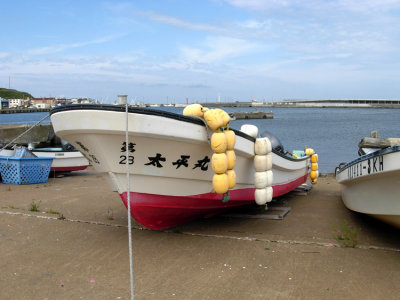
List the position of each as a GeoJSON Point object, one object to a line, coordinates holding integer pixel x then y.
{"type": "Point", "coordinates": [43, 102]}
{"type": "Point", "coordinates": [3, 103]}
{"type": "Point", "coordinates": [13, 103]}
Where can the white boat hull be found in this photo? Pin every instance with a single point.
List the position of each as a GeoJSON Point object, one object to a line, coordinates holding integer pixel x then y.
{"type": "Point", "coordinates": [371, 185]}
{"type": "Point", "coordinates": [169, 157]}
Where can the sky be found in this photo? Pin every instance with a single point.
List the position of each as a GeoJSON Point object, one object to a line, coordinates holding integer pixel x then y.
{"type": "Point", "coordinates": [167, 51]}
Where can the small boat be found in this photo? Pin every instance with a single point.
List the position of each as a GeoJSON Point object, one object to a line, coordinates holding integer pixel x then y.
{"type": "Point", "coordinates": [64, 160]}
{"type": "Point", "coordinates": [370, 184]}
{"type": "Point", "coordinates": [170, 175]}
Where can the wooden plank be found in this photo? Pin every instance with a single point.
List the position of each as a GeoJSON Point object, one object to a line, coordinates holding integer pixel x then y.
{"type": "Point", "coordinates": [369, 142]}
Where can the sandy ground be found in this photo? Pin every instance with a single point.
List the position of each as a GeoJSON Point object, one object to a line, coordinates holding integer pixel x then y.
{"type": "Point", "coordinates": [76, 247]}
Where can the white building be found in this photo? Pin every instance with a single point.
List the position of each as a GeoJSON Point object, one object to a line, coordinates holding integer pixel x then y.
{"type": "Point", "coordinates": [16, 103]}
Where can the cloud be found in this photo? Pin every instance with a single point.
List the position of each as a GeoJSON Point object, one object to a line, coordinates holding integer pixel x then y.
{"type": "Point", "coordinates": [172, 21]}
{"type": "Point", "coordinates": [218, 49]}
{"type": "Point", "coordinates": [359, 6]}
{"type": "Point", "coordinates": [258, 4]}
{"type": "Point", "coordinates": [249, 29]}
{"type": "Point", "coordinates": [4, 55]}
{"type": "Point", "coordinates": [62, 47]}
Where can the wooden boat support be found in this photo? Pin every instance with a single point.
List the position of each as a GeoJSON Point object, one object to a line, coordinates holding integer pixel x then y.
{"type": "Point", "coordinates": [369, 142]}
{"type": "Point", "coordinates": [375, 142]}
{"type": "Point", "coordinates": [251, 115]}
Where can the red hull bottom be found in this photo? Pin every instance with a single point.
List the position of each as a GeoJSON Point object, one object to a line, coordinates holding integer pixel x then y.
{"type": "Point", "coordinates": [160, 212]}
{"type": "Point", "coordinates": [68, 169]}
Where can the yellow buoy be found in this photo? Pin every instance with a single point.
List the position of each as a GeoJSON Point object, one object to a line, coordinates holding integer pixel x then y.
{"type": "Point", "coordinates": [314, 166]}
{"type": "Point", "coordinates": [219, 163]}
{"type": "Point", "coordinates": [314, 181]}
{"type": "Point", "coordinates": [213, 119]}
{"type": "Point", "coordinates": [231, 159]}
{"type": "Point", "coordinates": [309, 151]}
{"type": "Point", "coordinates": [314, 158]}
{"type": "Point", "coordinates": [231, 178]}
{"type": "Point", "coordinates": [313, 175]}
{"type": "Point", "coordinates": [193, 110]}
{"type": "Point", "coordinates": [218, 142]}
{"type": "Point", "coordinates": [220, 183]}
{"type": "Point", "coordinates": [225, 117]}
{"type": "Point", "coordinates": [230, 139]}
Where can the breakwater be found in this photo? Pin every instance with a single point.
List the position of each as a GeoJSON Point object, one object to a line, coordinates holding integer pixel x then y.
{"type": "Point", "coordinates": [372, 103]}
{"type": "Point", "coordinates": [251, 115]}
{"type": "Point", "coordinates": [23, 110]}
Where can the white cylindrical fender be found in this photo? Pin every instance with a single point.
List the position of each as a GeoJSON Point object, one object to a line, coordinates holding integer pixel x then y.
{"type": "Point", "coordinates": [262, 162]}
{"type": "Point", "coordinates": [270, 177]}
{"type": "Point", "coordinates": [263, 196]}
{"type": "Point", "coordinates": [262, 146]}
{"type": "Point", "coordinates": [263, 179]}
{"type": "Point", "coordinates": [249, 129]}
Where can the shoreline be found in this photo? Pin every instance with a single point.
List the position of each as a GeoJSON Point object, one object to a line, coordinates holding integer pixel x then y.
{"type": "Point", "coordinates": [76, 245]}
{"type": "Point", "coordinates": [355, 103]}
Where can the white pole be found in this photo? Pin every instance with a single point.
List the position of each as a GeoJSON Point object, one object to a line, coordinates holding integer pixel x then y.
{"type": "Point", "coordinates": [129, 201]}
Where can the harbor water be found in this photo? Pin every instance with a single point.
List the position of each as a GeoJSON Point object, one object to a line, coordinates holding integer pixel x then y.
{"type": "Point", "coordinates": [333, 133]}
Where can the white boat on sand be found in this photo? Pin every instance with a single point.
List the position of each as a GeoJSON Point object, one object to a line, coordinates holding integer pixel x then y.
{"type": "Point", "coordinates": [371, 184]}
{"type": "Point", "coordinates": [63, 160]}
{"type": "Point", "coordinates": [169, 154]}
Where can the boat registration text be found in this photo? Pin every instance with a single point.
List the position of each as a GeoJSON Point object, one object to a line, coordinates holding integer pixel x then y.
{"type": "Point", "coordinates": [366, 167]}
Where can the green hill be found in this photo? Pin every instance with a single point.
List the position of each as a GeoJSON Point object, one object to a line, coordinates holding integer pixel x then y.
{"type": "Point", "coordinates": [13, 94]}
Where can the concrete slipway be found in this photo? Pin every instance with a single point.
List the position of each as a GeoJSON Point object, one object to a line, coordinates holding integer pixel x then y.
{"type": "Point", "coordinates": [76, 247]}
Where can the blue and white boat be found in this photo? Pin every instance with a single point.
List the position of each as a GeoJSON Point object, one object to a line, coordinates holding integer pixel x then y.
{"type": "Point", "coordinates": [371, 184]}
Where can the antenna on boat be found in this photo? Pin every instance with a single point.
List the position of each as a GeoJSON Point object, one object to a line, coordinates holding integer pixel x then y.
{"type": "Point", "coordinates": [122, 99]}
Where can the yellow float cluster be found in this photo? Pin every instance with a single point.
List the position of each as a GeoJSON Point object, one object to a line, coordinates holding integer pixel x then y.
{"type": "Point", "coordinates": [263, 176]}
{"type": "Point", "coordinates": [314, 173]}
{"type": "Point", "coordinates": [222, 143]}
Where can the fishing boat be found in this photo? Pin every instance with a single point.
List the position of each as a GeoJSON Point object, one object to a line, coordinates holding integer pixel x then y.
{"type": "Point", "coordinates": [64, 160]}
{"type": "Point", "coordinates": [169, 157]}
{"type": "Point", "coordinates": [370, 184]}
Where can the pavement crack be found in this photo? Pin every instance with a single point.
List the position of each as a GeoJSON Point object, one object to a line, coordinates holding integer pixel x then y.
{"type": "Point", "coordinates": [218, 236]}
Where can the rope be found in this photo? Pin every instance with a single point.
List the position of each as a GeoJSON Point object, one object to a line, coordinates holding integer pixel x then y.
{"type": "Point", "coordinates": [128, 189]}
{"type": "Point", "coordinates": [25, 132]}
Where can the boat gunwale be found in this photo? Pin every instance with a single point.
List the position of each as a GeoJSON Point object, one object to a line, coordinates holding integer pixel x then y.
{"type": "Point", "coordinates": [388, 150]}
{"type": "Point", "coordinates": [160, 113]}
{"type": "Point", "coordinates": [54, 149]}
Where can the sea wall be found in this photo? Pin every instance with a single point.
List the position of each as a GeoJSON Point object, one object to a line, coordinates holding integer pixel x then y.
{"type": "Point", "coordinates": [39, 134]}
